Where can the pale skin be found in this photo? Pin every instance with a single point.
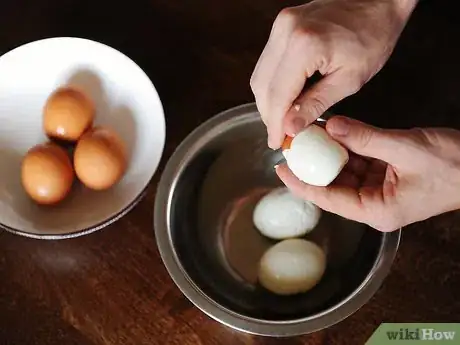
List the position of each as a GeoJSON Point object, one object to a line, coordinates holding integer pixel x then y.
{"type": "Point", "coordinates": [394, 177]}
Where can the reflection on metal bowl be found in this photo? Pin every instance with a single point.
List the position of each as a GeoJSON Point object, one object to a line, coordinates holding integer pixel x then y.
{"type": "Point", "coordinates": [204, 230]}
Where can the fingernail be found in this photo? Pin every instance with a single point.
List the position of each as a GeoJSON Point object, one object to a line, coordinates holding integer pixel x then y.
{"type": "Point", "coordinates": [339, 127]}
{"type": "Point", "coordinates": [299, 124]}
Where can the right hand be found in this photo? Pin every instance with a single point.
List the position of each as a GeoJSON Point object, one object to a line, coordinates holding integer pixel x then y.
{"type": "Point", "coordinates": [347, 41]}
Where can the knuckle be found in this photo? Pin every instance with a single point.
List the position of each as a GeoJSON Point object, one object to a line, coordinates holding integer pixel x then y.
{"type": "Point", "coordinates": [365, 137]}
{"type": "Point", "coordinates": [286, 17]}
{"type": "Point", "coordinates": [424, 136]}
{"type": "Point", "coordinates": [316, 106]}
{"type": "Point", "coordinates": [299, 35]}
{"type": "Point", "coordinates": [355, 85]}
{"type": "Point", "coordinates": [354, 78]}
{"type": "Point", "coordinates": [302, 38]}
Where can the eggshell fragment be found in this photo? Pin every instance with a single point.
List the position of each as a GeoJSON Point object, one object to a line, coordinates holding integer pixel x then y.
{"type": "Point", "coordinates": [287, 143]}
{"type": "Point", "coordinates": [281, 215]}
{"type": "Point", "coordinates": [314, 157]}
{"type": "Point", "coordinates": [292, 266]}
{"type": "Point", "coordinates": [68, 113]}
{"type": "Point", "coordinates": [100, 158]}
{"type": "Point", "coordinates": [47, 173]}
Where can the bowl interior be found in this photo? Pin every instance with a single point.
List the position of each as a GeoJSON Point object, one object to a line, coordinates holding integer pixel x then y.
{"type": "Point", "coordinates": [210, 219]}
{"type": "Point", "coordinates": [125, 100]}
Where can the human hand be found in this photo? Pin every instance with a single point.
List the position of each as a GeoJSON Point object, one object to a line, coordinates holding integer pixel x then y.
{"type": "Point", "coordinates": [393, 178]}
{"type": "Point", "coordinates": [346, 41]}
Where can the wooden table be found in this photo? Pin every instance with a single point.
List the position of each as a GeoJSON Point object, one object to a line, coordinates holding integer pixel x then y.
{"type": "Point", "coordinates": [111, 287]}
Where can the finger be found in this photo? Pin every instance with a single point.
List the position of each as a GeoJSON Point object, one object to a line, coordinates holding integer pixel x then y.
{"type": "Point", "coordinates": [270, 58]}
{"type": "Point", "coordinates": [297, 64]}
{"type": "Point", "coordinates": [325, 93]}
{"type": "Point", "coordinates": [364, 139]}
{"type": "Point", "coordinates": [341, 200]}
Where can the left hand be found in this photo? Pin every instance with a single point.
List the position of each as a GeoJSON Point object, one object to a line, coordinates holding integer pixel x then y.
{"type": "Point", "coordinates": [393, 178]}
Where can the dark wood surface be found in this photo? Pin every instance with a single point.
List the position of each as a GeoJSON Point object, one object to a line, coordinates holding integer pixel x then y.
{"type": "Point", "coordinates": [111, 287]}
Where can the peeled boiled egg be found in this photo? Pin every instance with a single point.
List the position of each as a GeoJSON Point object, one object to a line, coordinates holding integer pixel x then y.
{"type": "Point", "coordinates": [100, 158]}
{"type": "Point", "coordinates": [281, 215]}
{"type": "Point", "coordinates": [47, 173]}
{"type": "Point", "coordinates": [292, 266]}
{"type": "Point", "coordinates": [314, 157]}
{"type": "Point", "coordinates": [68, 113]}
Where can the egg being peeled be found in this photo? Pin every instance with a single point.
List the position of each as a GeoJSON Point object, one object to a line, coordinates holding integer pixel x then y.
{"type": "Point", "coordinates": [100, 158]}
{"type": "Point", "coordinates": [68, 113]}
{"type": "Point", "coordinates": [281, 215]}
{"type": "Point", "coordinates": [292, 266]}
{"type": "Point", "coordinates": [47, 174]}
{"type": "Point", "coordinates": [314, 157]}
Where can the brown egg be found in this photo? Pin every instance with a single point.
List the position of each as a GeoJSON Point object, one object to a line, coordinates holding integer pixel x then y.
{"type": "Point", "coordinates": [100, 158]}
{"type": "Point", "coordinates": [47, 173]}
{"type": "Point", "coordinates": [68, 113]}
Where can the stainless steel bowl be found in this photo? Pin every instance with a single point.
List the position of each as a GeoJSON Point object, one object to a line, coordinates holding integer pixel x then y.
{"type": "Point", "coordinates": [204, 231]}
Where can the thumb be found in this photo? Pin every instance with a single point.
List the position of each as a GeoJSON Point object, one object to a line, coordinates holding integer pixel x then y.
{"type": "Point", "coordinates": [364, 139]}
{"type": "Point", "coordinates": [315, 101]}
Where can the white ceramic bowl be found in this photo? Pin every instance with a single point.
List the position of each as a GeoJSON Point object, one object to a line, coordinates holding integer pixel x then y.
{"type": "Point", "coordinates": [125, 99]}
